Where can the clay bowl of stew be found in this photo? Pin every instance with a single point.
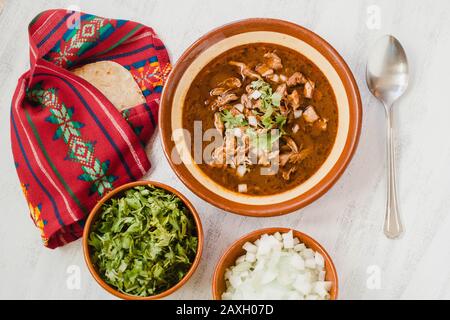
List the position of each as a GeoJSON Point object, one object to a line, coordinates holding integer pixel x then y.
{"type": "Point", "coordinates": [91, 226]}
{"type": "Point", "coordinates": [236, 250]}
{"type": "Point", "coordinates": [260, 117]}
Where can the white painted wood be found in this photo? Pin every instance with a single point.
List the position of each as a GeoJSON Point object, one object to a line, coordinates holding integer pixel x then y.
{"type": "Point", "coordinates": [347, 220]}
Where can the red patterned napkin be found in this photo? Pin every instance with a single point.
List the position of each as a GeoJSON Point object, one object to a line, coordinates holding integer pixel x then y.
{"type": "Point", "coordinates": [70, 144]}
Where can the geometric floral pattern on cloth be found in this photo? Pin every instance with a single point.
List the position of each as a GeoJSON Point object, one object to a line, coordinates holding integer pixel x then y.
{"type": "Point", "coordinates": [149, 75]}
{"type": "Point", "coordinates": [79, 149]}
{"type": "Point", "coordinates": [75, 42]}
{"type": "Point", "coordinates": [70, 144]}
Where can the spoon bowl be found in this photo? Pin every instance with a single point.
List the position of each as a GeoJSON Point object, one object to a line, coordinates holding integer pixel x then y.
{"type": "Point", "coordinates": [387, 70]}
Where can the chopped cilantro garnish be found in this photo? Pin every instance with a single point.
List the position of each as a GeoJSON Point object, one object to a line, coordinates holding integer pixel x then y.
{"type": "Point", "coordinates": [280, 120]}
{"type": "Point", "coordinates": [143, 242]}
{"type": "Point", "coordinates": [266, 119]}
{"type": "Point", "coordinates": [270, 105]}
{"type": "Point", "coordinates": [276, 99]}
{"type": "Point", "coordinates": [233, 121]}
{"type": "Point", "coordinates": [262, 87]}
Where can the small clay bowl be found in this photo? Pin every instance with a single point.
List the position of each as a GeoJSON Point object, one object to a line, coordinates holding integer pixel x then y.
{"type": "Point", "coordinates": [228, 259]}
{"type": "Point", "coordinates": [116, 192]}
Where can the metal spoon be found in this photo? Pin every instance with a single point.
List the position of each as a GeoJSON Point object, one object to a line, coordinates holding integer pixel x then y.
{"type": "Point", "coordinates": [387, 78]}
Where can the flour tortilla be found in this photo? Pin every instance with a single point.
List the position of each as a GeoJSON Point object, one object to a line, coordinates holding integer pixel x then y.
{"type": "Point", "coordinates": [114, 81]}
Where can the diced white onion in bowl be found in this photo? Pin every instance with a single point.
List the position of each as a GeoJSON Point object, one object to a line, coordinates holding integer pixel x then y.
{"type": "Point", "coordinates": [299, 247]}
{"type": "Point", "coordinates": [321, 288]}
{"type": "Point", "coordinates": [310, 263]}
{"type": "Point", "coordinates": [240, 259]}
{"type": "Point", "coordinates": [319, 260]}
{"type": "Point", "coordinates": [297, 262]}
{"type": "Point", "coordinates": [278, 236]}
{"type": "Point", "coordinates": [235, 281]}
{"type": "Point", "coordinates": [288, 240]}
{"type": "Point", "coordinates": [250, 247]}
{"type": "Point", "coordinates": [302, 285]}
{"type": "Point", "coordinates": [321, 275]}
{"type": "Point", "coordinates": [250, 257]}
{"type": "Point", "coordinates": [277, 266]}
{"type": "Point", "coordinates": [308, 253]}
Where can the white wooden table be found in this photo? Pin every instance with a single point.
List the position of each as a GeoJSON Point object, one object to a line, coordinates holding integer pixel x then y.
{"type": "Point", "coordinates": [347, 220]}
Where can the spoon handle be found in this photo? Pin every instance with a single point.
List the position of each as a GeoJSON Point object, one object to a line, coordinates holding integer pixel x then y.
{"type": "Point", "coordinates": [392, 224]}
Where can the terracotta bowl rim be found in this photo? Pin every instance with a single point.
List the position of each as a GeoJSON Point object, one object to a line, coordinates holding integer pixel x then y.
{"type": "Point", "coordinates": [237, 245]}
{"type": "Point", "coordinates": [96, 210]}
{"type": "Point", "coordinates": [332, 175]}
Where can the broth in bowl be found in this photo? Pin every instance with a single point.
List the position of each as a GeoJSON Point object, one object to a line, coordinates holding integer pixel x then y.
{"type": "Point", "coordinates": [274, 115]}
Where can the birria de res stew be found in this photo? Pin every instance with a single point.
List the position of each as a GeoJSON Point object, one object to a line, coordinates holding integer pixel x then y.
{"type": "Point", "coordinates": [275, 114]}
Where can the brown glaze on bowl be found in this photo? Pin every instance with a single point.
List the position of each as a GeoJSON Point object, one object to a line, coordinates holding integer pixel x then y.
{"type": "Point", "coordinates": [228, 259]}
{"type": "Point", "coordinates": [282, 33]}
{"type": "Point", "coordinates": [115, 193]}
